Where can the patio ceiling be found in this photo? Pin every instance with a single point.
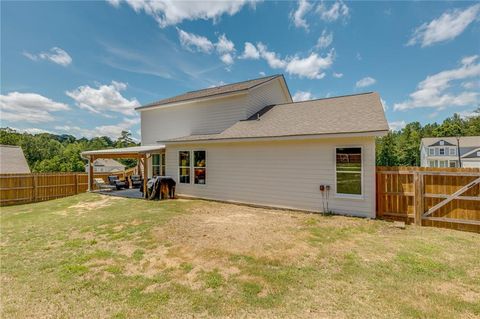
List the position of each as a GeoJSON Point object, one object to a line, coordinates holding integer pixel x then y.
{"type": "Point", "coordinates": [126, 152]}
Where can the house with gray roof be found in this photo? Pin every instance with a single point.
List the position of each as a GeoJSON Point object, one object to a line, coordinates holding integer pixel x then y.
{"type": "Point", "coordinates": [106, 165]}
{"type": "Point", "coordinates": [12, 160]}
{"type": "Point", "coordinates": [450, 151]}
{"type": "Point", "coordinates": [249, 142]}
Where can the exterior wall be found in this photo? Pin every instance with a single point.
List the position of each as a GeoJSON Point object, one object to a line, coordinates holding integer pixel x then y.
{"type": "Point", "coordinates": [264, 95]}
{"type": "Point", "coordinates": [207, 117]}
{"type": "Point", "coordinates": [471, 163]}
{"type": "Point", "coordinates": [284, 174]}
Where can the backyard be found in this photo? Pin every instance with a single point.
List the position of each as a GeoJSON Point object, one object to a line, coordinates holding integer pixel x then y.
{"type": "Point", "coordinates": [99, 256]}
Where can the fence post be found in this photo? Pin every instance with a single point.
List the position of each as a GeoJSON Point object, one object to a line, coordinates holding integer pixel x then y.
{"type": "Point", "coordinates": [76, 183]}
{"type": "Point", "coordinates": [34, 190]}
{"type": "Point", "coordinates": [419, 192]}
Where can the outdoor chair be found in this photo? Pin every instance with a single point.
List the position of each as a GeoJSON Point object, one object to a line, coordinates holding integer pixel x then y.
{"type": "Point", "coordinates": [113, 180]}
{"type": "Point", "coordinates": [136, 181]}
{"type": "Point", "coordinates": [101, 185]}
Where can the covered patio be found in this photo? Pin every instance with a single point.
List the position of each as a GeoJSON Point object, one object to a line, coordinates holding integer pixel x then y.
{"type": "Point", "coordinates": [141, 153]}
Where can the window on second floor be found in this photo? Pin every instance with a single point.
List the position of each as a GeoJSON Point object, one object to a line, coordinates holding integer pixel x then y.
{"type": "Point", "coordinates": [431, 151]}
{"type": "Point", "coordinates": [453, 151]}
{"type": "Point", "coordinates": [442, 151]}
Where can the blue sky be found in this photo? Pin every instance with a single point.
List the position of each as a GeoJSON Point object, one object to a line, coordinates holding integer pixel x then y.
{"type": "Point", "coordinates": [82, 67]}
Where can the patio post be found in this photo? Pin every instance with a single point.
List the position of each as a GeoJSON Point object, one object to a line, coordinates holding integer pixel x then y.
{"type": "Point", "coordinates": [91, 159]}
{"type": "Point", "coordinates": [145, 174]}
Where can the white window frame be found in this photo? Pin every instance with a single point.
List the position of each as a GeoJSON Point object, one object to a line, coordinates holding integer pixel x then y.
{"type": "Point", "coordinates": [431, 151]}
{"type": "Point", "coordinates": [440, 151]}
{"type": "Point", "coordinates": [450, 164]}
{"type": "Point", "coordinates": [452, 151]}
{"type": "Point", "coordinates": [193, 166]}
{"type": "Point", "coordinates": [159, 163]}
{"type": "Point", "coordinates": [189, 167]}
{"type": "Point", "coordinates": [163, 164]}
{"type": "Point", "coordinates": [362, 186]}
{"type": "Point", "coordinates": [430, 162]}
{"type": "Point", "coordinates": [445, 162]}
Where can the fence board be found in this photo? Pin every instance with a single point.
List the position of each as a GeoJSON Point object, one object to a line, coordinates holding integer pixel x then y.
{"type": "Point", "coordinates": [462, 213]}
{"type": "Point", "coordinates": [36, 187]}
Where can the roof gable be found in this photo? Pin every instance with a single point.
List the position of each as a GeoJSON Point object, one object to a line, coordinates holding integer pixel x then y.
{"type": "Point", "coordinates": [441, 143]}
{"type": "Point", "coordinates": [12, 160]}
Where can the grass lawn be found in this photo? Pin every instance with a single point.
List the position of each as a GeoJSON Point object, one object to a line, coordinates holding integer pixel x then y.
{"type": "Point", "coordinates": [92, 256]}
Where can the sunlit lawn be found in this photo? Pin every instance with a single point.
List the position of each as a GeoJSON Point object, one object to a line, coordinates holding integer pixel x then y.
{"type": "Point", "coordinates": [92, 256]}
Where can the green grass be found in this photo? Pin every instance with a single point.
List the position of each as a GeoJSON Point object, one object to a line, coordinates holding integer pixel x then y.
{"type": "Point", "coordinates": [119, 260]}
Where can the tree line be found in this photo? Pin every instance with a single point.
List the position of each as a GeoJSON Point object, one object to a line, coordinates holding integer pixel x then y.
{"type": "Point", "coordinates": [402, 148]}
{"type": "Point", "coordinates": [47, 152]}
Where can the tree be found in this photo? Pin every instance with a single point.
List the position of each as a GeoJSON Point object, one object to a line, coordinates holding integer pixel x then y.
{"type": "Point", "coordinates": [387, 150]}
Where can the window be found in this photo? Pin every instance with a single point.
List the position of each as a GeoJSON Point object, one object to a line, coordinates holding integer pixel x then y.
{"type": "Point", "coordinates": [349, 171]}
{"type": "Point", "coordinates": [184, 167]}
{"type": "Point", "coordinates": [442, 143]}
{"type": "Point", "coordinates": [156, 165]}
{"type": "Point", "coordinates": [162, 162]}
{"type": "Point", "coordinates": [199, 167]}
{"type": "Point", "coordinates": [431, 163]}
{"type": "Point", "coordinates": [431, 151]}
{"type": "Point", "coordinates": [452, 163]}
{"type": "Point", "coordinates": [453, 151]}
{"type": "Point", "coordinates": [442, 151]}
{"type": "Point", "coordinates": [443, 163]}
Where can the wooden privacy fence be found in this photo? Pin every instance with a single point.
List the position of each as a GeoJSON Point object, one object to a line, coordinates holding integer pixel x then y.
{"type": "Point", "coordinates": [440, 197]}
{"type": "Point", "coordinates": [37, 187]}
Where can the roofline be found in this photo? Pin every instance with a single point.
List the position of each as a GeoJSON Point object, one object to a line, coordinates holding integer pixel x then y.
{"type": "Point", "coordinates": [471, 152]}
{"type": "Point", "coordinates": [280, 137]}
{"type": "Point", "coordinates": [328, 98]}
{"type": "Point", "coordinates": [155, 105]}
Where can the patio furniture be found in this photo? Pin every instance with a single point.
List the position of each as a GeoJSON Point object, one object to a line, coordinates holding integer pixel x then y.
{"type": "Point", "coordinates": [136, 181]}
{"type": "Point", "coordinates": [115, 181]}
{"type": "Point", "coordinates": [101, 185]}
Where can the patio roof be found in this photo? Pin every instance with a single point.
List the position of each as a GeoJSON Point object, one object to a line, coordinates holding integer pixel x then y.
{"type": "Point", "coordinates": [125, 152]}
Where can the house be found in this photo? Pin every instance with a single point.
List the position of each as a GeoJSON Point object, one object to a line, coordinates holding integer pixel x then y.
{"type": "Point", "coordinates": [106, 165]}
{"type": "Point", "coordinates": [12, 160]}
{"type": "Point", "coordinates": [248, 142]}
{"type": "Point", "coordinates": [450, 152]}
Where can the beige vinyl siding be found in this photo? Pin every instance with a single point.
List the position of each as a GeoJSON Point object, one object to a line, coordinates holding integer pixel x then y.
{"type": "Point", "coordinates": [266, 94]}
{"type": "Point", "coordinates": [205, 117]}
{"type": "Point", "coordinates": [280, 174]}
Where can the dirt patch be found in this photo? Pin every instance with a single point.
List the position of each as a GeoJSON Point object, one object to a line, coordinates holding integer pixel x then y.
{"type": "Point", "coordinates": [103, 202]}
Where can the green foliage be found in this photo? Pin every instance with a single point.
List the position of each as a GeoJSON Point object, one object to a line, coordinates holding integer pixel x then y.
{"type": "Point", "coordinates": [61, 153]}
{"type": "Point", "coordinates": [402, 148]}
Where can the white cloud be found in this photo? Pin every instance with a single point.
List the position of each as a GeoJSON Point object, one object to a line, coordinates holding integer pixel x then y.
{"type": "Point", "coordinates": [471, 85]}
{"type": "Point", "coordinates": [32, 130]}
{"type": "Point", "coordinates": [302, 96]}
{"type": "Point", "coordinates": [193, 42]}
{"type": "Point", "coordinates": [310, 67]}
{"type": "Point", "coordinates": [29, 107]}
{"type": "Point", "coordinates": [250, 52]}
{"type": "Point", "coordinates": [224, 45]}
{"type": "Point", "coordinates": [261, 73]}
{"type": "Point", "coordinates": [447, 27]}
{"type": "Point", "coordinates": [336, 11]}
{"type": "Point", "coordinates": [273, 60]}
{"type": "Point", "coordinates": [359, 56]}
{"type": "Point", "coordinates": [227, 58]}
{"type": "Point", "coordinates": [55, 55]}
{"type": "Point", "coordinates": [468, 114]}
{"type": "Point", "coordinates": [115, 3]}
{"type": "Point", "coordinates": [168, 13]}
{"type": "Point", "coordinates": [298, 16]}
{"type": "Point", "coordinates": [113, 131]}
{"type": "Point", "coordinates": [396, 125]}
{"type": "Point", "coordinates": [432, 92]}
{"type": "Point", "coordinates": [105, 98]}
{"type": "Point", "coordinates": [325, 40]}
{"type": "Point", "coordinates": [366, 81]}
{"type": "Point", "coordinates": [337, 75]}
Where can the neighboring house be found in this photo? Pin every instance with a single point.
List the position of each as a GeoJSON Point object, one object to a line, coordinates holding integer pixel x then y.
{"type": "Point", "coordinates": [450, 152]}
{"type": "Point", "coordinates": [248, 142]}
{"type": "Point", "coordinates": [12, 160]}
{"type": "Point", "coordinates": [106, 165]}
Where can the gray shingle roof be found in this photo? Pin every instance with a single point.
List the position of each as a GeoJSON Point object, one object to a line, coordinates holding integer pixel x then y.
{"type": "Point", "coordinates": [465, 141]}
{"type": "Point", "coordinates": [344, 114]}
{"type": "Point", "coordinates": [213, 91]}
{"type": "Point", "coordinates": [12, 160]}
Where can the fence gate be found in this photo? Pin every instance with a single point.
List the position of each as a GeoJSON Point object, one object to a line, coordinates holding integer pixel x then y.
{"type": "Point", "coordinates": [440, 197]}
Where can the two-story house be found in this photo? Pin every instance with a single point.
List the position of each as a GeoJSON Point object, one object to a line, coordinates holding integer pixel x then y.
{"type": "Point", "coordinates": [248, 142]}
{"type": "Point", "coordinates": [450, 151]}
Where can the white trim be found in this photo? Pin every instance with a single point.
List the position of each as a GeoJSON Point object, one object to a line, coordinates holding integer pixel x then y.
{"type": "Point", "coordinates": [471, 152]}
{"type": "Point", "coordinates": [205, 167]}
{"type": "Point", "coordinates": [189, 167]}
{"type": "Point", "coordinates": [362, 182]}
